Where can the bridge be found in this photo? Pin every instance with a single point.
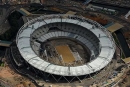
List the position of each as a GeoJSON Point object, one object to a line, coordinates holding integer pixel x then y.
{"type": "Point", "coordinates": [5, 43]}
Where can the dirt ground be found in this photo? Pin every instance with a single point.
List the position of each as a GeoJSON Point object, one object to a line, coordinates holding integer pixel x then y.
{"type": "Point", "coordinates": [126, 81]}
{"type": "Point", "coordinates": [14, 79]}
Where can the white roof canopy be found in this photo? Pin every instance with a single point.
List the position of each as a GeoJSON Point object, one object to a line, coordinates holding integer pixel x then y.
{"type": "Point", "coordinates": [106, 42]}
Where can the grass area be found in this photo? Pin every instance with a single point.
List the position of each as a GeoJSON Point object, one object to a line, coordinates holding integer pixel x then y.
{"type": "Point", "coordinates": [116, 39]}
{"type": "Point", "coordinates": [123, 56]}
{"type": "Point", "coordinates": [118, 43]}
{"type": "Point", "coordinates": [2, 64]}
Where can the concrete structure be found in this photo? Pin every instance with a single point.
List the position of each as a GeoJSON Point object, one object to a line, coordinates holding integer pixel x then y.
{"type": "Point", "coordinates": [127, 15]}
{"type": "Point", "coordinates": [5, 43]}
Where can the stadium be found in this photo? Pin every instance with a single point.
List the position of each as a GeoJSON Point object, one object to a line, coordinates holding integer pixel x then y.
{"type": "Point", "coordinates": [65, 47]}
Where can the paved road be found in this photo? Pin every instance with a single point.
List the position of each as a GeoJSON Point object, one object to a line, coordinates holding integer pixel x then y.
{"type": "Point", "coordinates": [10, 8]}
{"type": "Point", "coordinates": [111, 4]}
{"type": "Point", "coordinates": [4, 16]}
{"type": "Point", "coordinates": [121, 10]}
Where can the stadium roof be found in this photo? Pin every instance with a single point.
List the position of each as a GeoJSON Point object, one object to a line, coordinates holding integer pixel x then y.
{"type": "Point", "coordinates": [107, 45]}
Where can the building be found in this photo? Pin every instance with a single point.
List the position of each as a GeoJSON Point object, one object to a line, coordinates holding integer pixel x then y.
{"type": "Point", "coordinates": [64, 47]}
